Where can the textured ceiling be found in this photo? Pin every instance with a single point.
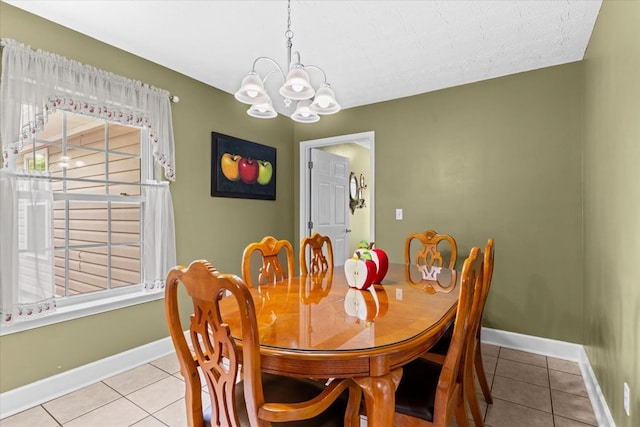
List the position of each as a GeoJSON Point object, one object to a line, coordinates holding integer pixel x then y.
{"type": "Point", "coordinates": [371, 51]}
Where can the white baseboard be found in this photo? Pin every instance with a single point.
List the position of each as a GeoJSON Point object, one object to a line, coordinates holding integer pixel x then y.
{"type": "Point", "coordinates": [560, 350]}
{"type": "Point", "coordinates": [30, 395]}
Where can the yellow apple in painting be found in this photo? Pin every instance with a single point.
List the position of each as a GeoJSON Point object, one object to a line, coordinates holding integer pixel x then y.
{"type": "Point", "coordinates": [229, 164]}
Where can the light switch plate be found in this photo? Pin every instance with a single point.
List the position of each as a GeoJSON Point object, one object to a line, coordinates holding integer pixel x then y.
{"type": "Point", "coordinates": [398, 214]}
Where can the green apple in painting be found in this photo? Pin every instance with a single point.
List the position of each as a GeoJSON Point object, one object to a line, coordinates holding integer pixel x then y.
{"type": "Point", "coordinates": [265, 172]}
{"type": "Point", "coordinates": [229, 165]}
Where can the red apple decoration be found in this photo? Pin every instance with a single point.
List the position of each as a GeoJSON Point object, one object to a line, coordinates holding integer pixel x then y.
{"type": "Point", "coordinates": [248, 170]}
{"type": "Point", "coordinates": [379, 257]}
{"type": "Point", "coordinates": [359, 272]}
{"type": "Point", "coordinates": [382, 262]}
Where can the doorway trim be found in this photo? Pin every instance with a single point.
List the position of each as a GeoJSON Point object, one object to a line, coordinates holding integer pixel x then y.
{"type": "Point", "coordinates": [366, 139]}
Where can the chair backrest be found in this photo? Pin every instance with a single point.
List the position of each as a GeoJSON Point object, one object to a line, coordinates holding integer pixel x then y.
{"type": "Point", "coordinates": [214, 350]}
{"type": "Point", "coordinates": [449, 389]}
{"type": "Point", "coordinates": [321, 253]}
{"type": "Point", "coordinates": [487, 276]}
{"type": "Point", "coordinates": [430, 253]}
{"type": "Point", "coordinates": [271, 270]}
{"type": "Point", "coordinates": [488, 266]}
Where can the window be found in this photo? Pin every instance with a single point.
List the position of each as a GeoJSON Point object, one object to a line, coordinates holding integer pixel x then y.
{"type": "Point", "coordinates": [96, 168]}
{"type": "Point", "coordinates": [82, 219]}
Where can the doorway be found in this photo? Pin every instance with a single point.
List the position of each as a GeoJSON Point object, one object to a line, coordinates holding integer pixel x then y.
{"type": "Point", "coordinates": [364, 139]}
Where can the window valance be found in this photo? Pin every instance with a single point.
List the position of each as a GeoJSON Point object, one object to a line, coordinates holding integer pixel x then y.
{"type": "Point", "coordinates": [37, 83]}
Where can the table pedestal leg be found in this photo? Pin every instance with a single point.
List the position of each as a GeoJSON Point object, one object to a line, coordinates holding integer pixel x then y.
{"type": "Point", "coordinates": [379, 397]}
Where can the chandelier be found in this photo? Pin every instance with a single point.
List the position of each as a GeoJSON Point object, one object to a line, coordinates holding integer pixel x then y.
{"type": "Point", "coordinates": [311, 102]}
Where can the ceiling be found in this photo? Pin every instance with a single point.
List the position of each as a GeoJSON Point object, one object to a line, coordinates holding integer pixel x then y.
{"type": "Point", "coordinates": [371, 51]}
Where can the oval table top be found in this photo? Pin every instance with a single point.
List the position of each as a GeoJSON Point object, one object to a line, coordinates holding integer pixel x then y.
{"type": "Point", "coordinates": [322, 314]}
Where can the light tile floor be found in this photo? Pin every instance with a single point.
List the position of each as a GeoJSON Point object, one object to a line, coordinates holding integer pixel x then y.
{"type": "Point", "coordinates": [528, 390]}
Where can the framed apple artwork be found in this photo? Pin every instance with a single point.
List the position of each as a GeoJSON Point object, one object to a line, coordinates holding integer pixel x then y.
{"type": "Point", "coordinates": [241, 168]}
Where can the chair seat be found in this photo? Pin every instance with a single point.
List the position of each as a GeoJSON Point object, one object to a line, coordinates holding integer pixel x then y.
{"type": "Point", "coordinates": [290, 390]}
{"type": "Point", "coordinates": [416, 393]}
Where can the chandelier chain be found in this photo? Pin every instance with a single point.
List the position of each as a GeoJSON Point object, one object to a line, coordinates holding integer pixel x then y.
{"type": "Point", "coordinates": [288, 34]}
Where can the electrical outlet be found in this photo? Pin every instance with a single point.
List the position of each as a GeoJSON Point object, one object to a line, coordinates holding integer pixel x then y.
{"type": "Point", "coordinates": [627, 398]}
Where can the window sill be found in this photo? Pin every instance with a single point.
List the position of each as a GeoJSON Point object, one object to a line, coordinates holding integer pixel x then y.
{"type": "Point", "coordinates": [79, 310]}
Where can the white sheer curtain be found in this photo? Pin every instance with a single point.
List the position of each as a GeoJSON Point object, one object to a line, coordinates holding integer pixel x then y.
{"type": "Point", "coordinates": [26, 246]}
{"type": "Point", "coordinates": [37, 83]}
{"type": "Point", "coordinates": [159, 236]}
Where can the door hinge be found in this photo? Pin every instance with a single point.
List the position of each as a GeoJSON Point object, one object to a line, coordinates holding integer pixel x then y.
{"type": "Point", "coordinates": [310, 165]}
{"type": "Point", "coordinates": [310, 225]}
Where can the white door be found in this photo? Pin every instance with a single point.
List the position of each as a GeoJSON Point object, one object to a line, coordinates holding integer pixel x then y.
{"type": "Point", "coordinates": [330, 200]}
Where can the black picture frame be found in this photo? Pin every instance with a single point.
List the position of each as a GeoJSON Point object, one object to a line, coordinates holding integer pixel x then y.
{"type": "Point", "coordinates": [239, 168]}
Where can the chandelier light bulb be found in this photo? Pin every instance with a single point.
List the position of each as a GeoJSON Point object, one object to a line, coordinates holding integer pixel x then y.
{"type": "Point", "coordinates": [252, 90]}
{"type": "Point", "coordinates": [325, 101]}
{"type": "Point", "coordinates": [303, 113]}
{"type": "Point", "coordinates": [262, 111]}
{"type": "Point", "coordinates": [297, 86]}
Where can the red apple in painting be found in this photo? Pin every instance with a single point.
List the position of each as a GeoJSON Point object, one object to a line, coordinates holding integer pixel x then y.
{"type": "Point", "coordinates": [265, 171]}
{"type": "Point", "coordinates": [229, 165]}
{"type": "Point", "coordinates": [359, 272]}
{"type": "Point", "coordinates": [248, 169]}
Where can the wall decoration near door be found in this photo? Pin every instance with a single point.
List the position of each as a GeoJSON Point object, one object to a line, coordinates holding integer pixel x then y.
{"type": "Point", "coordinates": [356, 186]}
{"type": "Point", "coordinates": [241, 168]}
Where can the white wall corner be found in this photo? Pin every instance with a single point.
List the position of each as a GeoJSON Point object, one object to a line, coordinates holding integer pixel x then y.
{"type": "Point", "coordinates": [560, 350]}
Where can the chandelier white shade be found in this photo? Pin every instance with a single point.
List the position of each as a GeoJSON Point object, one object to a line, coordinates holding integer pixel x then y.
{"type": "Point", "coordinates": [304, 114]}
{"type": "Point", "coordinates": [262, 111]}
{"type": "Point", "coordinates": [296, 86]}
{"type": "Point", "coordinates": [252, 90]}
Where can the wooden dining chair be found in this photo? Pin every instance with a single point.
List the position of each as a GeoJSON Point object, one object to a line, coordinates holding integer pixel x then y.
{"type": "Point", "coordinates": [438, 352]}
{"type": "Point", "coordinates": [215, 356]}
{"type": "Point", "coordinates": [431, 250]}
{"type": "Point", "coordinates": [271, 269]}
{"type": "Point", "coordinates": [321, 252]}
{"type": "Point", "coordinates": [432, 394]}
{"type": "Point", "coordinates": [489, 255]}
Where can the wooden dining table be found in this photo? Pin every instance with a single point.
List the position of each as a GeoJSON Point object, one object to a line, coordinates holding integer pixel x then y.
{"type": "Point", "coordinates": [319, 327]}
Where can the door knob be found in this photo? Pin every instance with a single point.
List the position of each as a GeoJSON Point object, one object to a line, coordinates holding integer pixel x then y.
{"type": "Point", "coordinates": [348, 230]}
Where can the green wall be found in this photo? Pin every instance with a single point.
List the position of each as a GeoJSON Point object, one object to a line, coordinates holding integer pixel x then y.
{"type": "Point", "coordinates": [612, 205]}
{"type": "Point", "coordinates": [499, 158]}
{"type": "Point", "coordinates": [217, 229]}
